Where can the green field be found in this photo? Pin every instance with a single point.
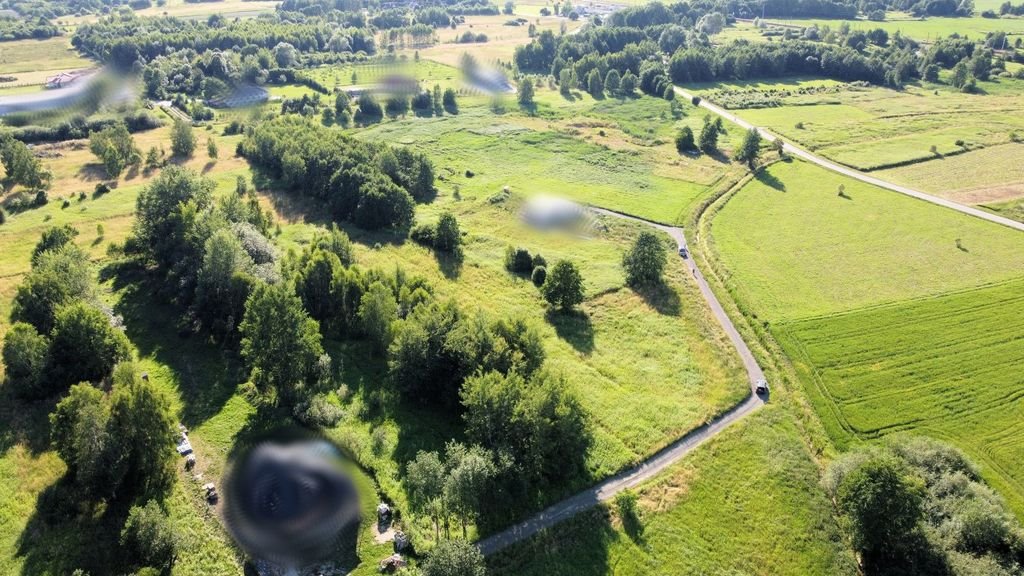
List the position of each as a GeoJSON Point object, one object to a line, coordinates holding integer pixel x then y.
{"type": "Point", "coordinates": [976, 177]}
{"type": "Point", "coordinates": [30, 60]}
{"type": "Point", "coordinates": [928, 29]}
{"type": "Point", "coordinates": [898, 315]}
{"type": "Point", "coordinates": [757, 474]}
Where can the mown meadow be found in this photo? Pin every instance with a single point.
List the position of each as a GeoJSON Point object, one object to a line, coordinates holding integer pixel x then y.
{"type": "Point", "coordinates": [897, 315]}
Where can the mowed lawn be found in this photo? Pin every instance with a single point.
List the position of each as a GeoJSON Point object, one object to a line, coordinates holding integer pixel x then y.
{"type": "Point", "coordinates": [899, 315]}
{"type": "Point", "coordinates": [748, 502]}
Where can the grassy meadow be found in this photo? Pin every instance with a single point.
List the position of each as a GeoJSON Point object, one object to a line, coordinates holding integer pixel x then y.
{"type": "Point", "coordinates": [884, 304]}
{"type": "Point", "coordinates": [976, 177]}
{"type": "Point", "coordinates": [923, 29]}
{"type": "Point", "coordinates": [32, 61]}
{"type": "Point", "coordinates": [648, 366]}
{"type": "Point", "coordinates": [757, 474]}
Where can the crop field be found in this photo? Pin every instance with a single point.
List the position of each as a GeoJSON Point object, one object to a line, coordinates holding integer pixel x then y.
{"type": "Point", "coordinates": [927, 29]}
{"type": "Point", "coordinates": [757, 473]}
{"type": "Point", "coordinates": [872, 128]}
{"type": "Point", "coordinates": [899, 315]}
{"type": "Point", "coordinates": [977, 177]}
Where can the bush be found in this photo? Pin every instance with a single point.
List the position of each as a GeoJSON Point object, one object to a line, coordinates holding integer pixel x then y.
{"type": "Point", "coordinates": [563, 287]}
{"type": "Point", "coordinates": [518, 260]}
{"type": "Point", "coordinates": [149, 535]}
{"type": "Point", "coordinates": [318, 412]}
{"type": "Point", "coordinates": [25, 353]}
{"type": "Point", "coordinates": [539, 275]}
{"type": "Point", "coordinates": [423, 234]}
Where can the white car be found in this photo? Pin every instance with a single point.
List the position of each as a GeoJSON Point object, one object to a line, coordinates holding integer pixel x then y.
{"type": "Point", "coordinates": [761, 386]}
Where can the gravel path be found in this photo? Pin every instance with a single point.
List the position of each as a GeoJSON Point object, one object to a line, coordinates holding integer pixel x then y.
{"type": "Point", "coordinates": [666, 457]}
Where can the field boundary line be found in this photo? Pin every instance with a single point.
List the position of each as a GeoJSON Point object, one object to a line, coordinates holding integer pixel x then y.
{"type": "Point", "coordinates": [852, 173]}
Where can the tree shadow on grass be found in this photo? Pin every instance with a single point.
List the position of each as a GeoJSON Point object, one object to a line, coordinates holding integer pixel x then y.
{"type": "Point", "coordinates": [24, 422]}
{"type": "Point", "coordinates": [206, 374]}
{"type": "Point", "coordinates": [579, 546]}
{"type": "Point", "coordinates": [574, 327]}
{"type": "Point", "coordinates": [661, 297]}
{"type": "Point", "coordinates": [450, 264]}
{"type": "Point", "coordinates": [65, 532]}
{"type": "Point", "coordinates": [770, 180]}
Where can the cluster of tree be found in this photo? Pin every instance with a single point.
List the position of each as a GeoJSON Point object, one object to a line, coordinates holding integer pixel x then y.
{"type": "Point", "coordinates": [59, 337]}
{"type": "Point", "coordinates": [468, 37]}
{"type": "Point", "coordinates": [1007, 8]}
{"type": "Point", "coordinates": [20, 165]}
{"type": "Point", "coordinates": [527, 434]}
{"type": "Point", "coordinates": [115, 147]}
{"type": "Point", "coordinates": [918, 506]}
{"type": "Point", "coordinates": [374, 185]}
{"type": "Point", "coordinates": [124, 39]}
{"type": "Point", "coordinates": [117, 445]}
{"type": "Point", "coordinates": [78, 127]}
{"type": "Point", "coordinates": [444, 235]}
{"type": "Point", "coordinates": [38, 29]}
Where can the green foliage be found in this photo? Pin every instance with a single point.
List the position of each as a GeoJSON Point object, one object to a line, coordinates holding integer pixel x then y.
{"type": "Point", "coordinates": [211, 148]}
{"type": "Point", "coordinates": [183, 139]}
{"type": "Point", "coordinates": [21, 165]}
{"type": "Point", "coordinates": [468, 481]}
{"type": "Point", "coordinates": [80, 433]}
{"type": "Point", "coordinates": [25, 354]}
{"type": "Point", "coordinates": [645, 261]}
{"type": "Point", "coordinates": [539, 275]}
{"type": "Point", "coordinates": [595, 84]}
{"type": "Point", "coordinates": [424, 482]}
{"type": "Point", "coordinates": [750, 149]}
{"type": "Point", "coordinates": [448, 237]}
{"type": "Point", "coordinates": [168, 219]}
{"type": "Point", "coordinates": [518, 260]}
{"type": "Point", "coordinates": [525, 95]}
{"type": "Point", "coordinates": [280, 343]}
{"type": "Point", "coordinates": [708, 142]}
{"type": "Point", "coordinates": [628, 84]}
{"type": "Point", "coordinates": [224, 282]}
{"type": "Point", "coordinates": [84, 346]}
{"type": "Point", "coordinates": [563, 287]}
{"type": "Point", "coordinates": [143, 432]}
{"type": "Point", "coordinates": [149, 536]}
{"type": "Point", "coordinates": [684, 140]}
{"type": "Point", "coordinates": [612, 81]}
{"type": "Point", "coordinates": [115, 147]}
{"type": "Point", "coordinates": [454, 558]}
{"type": "Point", "coordinates": [450, 102]}
{"type": "Point", "coordinates": [53, 239]}
{"type": "Point", "coordinates": [538, 422]}
{"type": "Point", "coordinates": [377, 312]}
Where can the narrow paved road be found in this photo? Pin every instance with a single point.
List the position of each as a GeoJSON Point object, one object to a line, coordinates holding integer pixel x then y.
{"type": "Point", "coordinates": [667, 456]}
{"type": "Point", "coordinates": [857, 174]}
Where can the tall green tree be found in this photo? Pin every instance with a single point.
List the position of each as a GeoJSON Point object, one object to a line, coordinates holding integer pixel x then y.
{"type": "Point", "coordinates": [750, 149]}
{"type": "Point", "coordinates": [115, 147]}
{"type": "Point", "coordinates": [447, 236]}
{"type": "Point", "coordinates": [281, 344]}
{"type": "Point", "coordinates": [84, 346]}
{"type": "Point", "coordinates": [79, 431]}
{"type": "Point", "coordinates": [454, 558]}
{"type": "Point", "coordinates": [150, 537]}
{"type": "Point", "coordinates": [563, 287]}
{"type": "Point", "coordinates": [612, 81]}
{"type": "Point", "coordinates": [645, 261]}
{"type": "Point", "coordinates": [708, 141]}
{"type": "Point", "coordinates": [471, 471]}
{"type": "Point", "coordinates": [143, 432]}
{"type": "Point", "coordinates": [26, 354]}
{"type": "Point", "coordinates": [53, 239]}
{"type": "Point", "coordinates": [882, 504]}
{"type": "Point", "coordinates": [224, 282]}
{"type": "Point", "coordinates": [684, 140]}
{"type": "Point", "coordinates": [58, 277]}
{"type": "Point", "coordinates": [378, 310]}
{"type": "Point", "coordinates": [525, 95]}
{"type": "Point", "coordinates": [595, 84]}
{"type": "Point", "coordinates": [424, 480]}
{"type": "Point", "coordinates": [183, 139]}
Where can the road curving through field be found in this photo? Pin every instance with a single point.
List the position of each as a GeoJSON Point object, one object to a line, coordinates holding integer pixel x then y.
{"type": "Point", "coordinates": [667, 456]}
{"type": "Point", "coordinates": [856, 174]}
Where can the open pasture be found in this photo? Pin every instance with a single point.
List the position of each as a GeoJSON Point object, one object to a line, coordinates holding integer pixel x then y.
{"type": "Point", "coordinates": [501, 42]}
{"type": "Point", "coordinates": [873, 128]}
{"type": "Point", "coordinates": [757, 474]}
{"type": "Point", "coordinates": [898, 315]}
{"type": "Point", "coordinates": [791, 244]}
{"type": "Point", "coordinates": [31, 61]}
{"type": "Point", "coordinates": [927, 29]}
{"type": "Point", "coordinates": [985, 176]}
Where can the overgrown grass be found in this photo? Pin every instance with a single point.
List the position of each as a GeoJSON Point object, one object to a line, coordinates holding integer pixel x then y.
{"type": "Point", "coordinates": [977, 177]}
{"type": "Point", "coordinates": [927, 29]}
{"type": "Point", "coordinates": [757, 474]}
